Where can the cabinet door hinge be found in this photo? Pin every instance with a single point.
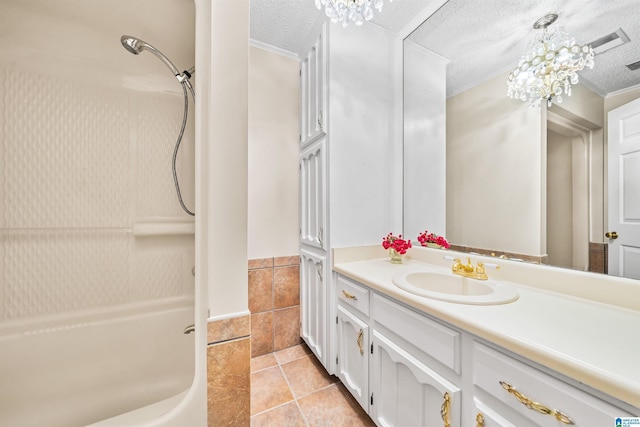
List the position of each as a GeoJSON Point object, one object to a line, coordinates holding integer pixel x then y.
{"type": "Point", "coordinates": [372, 398]}
{"type": "Point", "coordinates": [336, 320]}
{"type": "Point", "coordinates": [371, 348]}
{"type": "Point", "coordinates": [336, 360]}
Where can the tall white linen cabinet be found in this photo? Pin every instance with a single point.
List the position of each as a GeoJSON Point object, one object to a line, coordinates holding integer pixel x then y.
{"type": "Point", "coordinates": [350, 163]}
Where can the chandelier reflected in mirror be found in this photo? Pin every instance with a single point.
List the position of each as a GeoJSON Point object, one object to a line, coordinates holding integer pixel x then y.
{"type": "Point", "coordinates": [345, 11]}
{"type": "Point", "coordinates": [550, 67]}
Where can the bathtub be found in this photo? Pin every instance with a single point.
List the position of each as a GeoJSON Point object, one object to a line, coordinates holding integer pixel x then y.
{"type": "Point", "coordinates": [79, 369]}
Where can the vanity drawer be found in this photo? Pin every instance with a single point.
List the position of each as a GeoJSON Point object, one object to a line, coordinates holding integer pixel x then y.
{"type": "Point", "coordinates": [351, 294]}
{"type": "Point", "coordinates": [422, 336]}
{"type": "Point", "coordinates": [525, 384]}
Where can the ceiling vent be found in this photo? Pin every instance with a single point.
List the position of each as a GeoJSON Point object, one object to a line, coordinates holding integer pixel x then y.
{"type": "Point", "coordinates": [634, 66]}
{"type": "Point", "coordinates": [609, 41]}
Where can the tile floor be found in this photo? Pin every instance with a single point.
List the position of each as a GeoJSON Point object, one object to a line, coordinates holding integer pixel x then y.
{"type": "Point", "coordinates": [290, 388]}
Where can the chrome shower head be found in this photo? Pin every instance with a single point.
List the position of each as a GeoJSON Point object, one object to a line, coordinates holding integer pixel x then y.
{"type": "Point", "coordinates": [132, 44]}
{"type": "Point", "coordinates": [135, 46]}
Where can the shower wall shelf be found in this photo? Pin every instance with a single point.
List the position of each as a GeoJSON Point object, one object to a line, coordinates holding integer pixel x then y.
{"type": "Point", "coordinates": [163, 228]}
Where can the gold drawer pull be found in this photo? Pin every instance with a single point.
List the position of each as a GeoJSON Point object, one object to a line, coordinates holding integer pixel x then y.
{"type": "Point", "coordinates": [538, 407]}
{"type": "Point", "coordinates": [444, 410]}
{"type": "Point", "coordinates": [347, 295]}
{"type": "Point", "coordinates": [360, 337]}
{"type": "Point", "coordinates": [479, 420]}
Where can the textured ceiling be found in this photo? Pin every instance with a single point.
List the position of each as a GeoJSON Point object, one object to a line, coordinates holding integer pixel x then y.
{"type": "Point", "coordinates": [481, 38]}
{"type": "Point", "coordinates": [285, 23]}
{"type": "Point", "coordinates": [484, 38]}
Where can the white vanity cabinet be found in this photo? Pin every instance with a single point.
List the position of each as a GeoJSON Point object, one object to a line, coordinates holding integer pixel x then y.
{"type": "Point", "coordinates": [387, 375]}
{"type": "Point", "coordinates": [352, 322]}
{"type": "Point", "coordinates": [420, 371]}
{"type": "Point", "coordinates": [513, 393]}
{"type": "Point", "coordinates": [406, 392]}
{"type": "Point", "coordinates": [414, 368]}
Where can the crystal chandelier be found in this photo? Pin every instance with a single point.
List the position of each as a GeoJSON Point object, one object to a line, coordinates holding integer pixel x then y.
{"type": "Point", "coordinates": [550, 66]}
{"type": "Point", "coordinates": [356, 11]}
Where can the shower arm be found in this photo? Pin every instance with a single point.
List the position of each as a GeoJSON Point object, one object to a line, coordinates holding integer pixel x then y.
{"type": "Point", "coordinates": [183, 78]}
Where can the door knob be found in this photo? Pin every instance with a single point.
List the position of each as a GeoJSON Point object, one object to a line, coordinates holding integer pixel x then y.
{"type": "Point", "coordinates": [611, 235]}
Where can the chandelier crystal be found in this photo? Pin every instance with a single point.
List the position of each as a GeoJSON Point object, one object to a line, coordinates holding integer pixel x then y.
{"type": "Point", "coordinates": [550, 66]}
{"type": "Point", "coordinates": [345, 11]}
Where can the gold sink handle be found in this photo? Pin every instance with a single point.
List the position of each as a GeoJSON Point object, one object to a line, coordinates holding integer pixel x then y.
{"type": "Point", "coordinates": [468, 270]}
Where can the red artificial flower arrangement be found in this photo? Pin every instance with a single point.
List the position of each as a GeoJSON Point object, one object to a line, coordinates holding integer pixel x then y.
{"type": "Point", "coordinates": [427, 237]}
{"type": "Point", "coordinates": [397, 243]}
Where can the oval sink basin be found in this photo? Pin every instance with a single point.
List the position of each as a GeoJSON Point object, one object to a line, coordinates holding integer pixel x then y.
{"type": "Point", "coordinates": [453, 288]}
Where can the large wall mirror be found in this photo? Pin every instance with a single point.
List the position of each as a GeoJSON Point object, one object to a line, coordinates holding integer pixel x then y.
{"type": "Point", "coordinates": [496, 176]}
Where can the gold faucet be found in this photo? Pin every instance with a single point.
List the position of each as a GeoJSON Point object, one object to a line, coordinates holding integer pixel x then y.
{"type": "Point", "coordinates": [468, 270]}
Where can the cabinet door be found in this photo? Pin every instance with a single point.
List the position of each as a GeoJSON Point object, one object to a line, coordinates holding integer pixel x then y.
{"type": "Point", "coordinates": [313, 303]}
{"type": "Point", "coordinates": [407, 393]}
{"type": "Point", "coordinates": [313, 194]}
{"type": "Point", "coordinates": [514, 393]}
{"type": "Point", "coordinates": [312, 90]}
{"type": "Point", "coordinates": [353, 355]}
{"type": "Point", "coordinates": [485, 416]}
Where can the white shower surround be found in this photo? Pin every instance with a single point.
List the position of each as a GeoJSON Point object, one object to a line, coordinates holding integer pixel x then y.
{"type": "Point", "coordinates": [88, 310]}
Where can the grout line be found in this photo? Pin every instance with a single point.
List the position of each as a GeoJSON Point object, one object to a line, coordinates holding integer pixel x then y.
{"type": "Point", "coordinates": [304, 418]}
{"type": "Point", "coordinates": [264, 369]}
{"type": "Point", "coordinates": [272, 408]}
{"type": "Point", "coordinates": [292, 360]}
{"type": "Point", "coordinates": [318, 390]}
{"type": "Point", "coordinates": [295, 399]}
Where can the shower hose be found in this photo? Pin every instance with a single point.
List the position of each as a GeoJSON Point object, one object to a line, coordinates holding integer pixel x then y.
{"type": "Point", "coordinates": [184, 84]}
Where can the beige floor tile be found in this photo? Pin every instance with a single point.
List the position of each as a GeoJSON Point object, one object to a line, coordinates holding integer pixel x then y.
{"type": "Point", "coordinates": [283, 416]}
{"type": "Point", "coordinates": [292, 353]}
{"type": "Point", "coordinates": [268, 390]}
{"type": "Point", "coordinates": [262, 362]}
{"type": "Point", "coordinates": [333, 407]}
{"type": "Point", "coordinates": [306, 375]}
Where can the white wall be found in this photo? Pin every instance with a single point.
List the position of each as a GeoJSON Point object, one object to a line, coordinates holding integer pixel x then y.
{"type": "Point", "coordinates": [495, 171]}
{"type": "Point", "coordinates": [559, 200]}
{"type": "Point", "coordinates": [274, 110]}
{"type": "Point", "coordinates": [363, 145]}
{"type": "Point", "coordinates": [226, 169]}
{"type": "Point", "coordinates": [424, 141]}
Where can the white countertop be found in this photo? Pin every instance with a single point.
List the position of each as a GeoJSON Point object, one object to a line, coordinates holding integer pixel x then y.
{"type": "Point", "coordinates": [594, 343]}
